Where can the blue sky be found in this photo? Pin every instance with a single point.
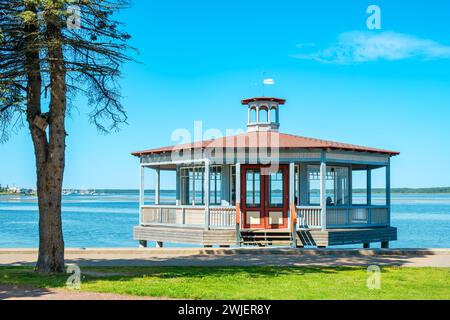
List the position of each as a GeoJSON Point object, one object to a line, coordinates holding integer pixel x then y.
{"type": "Point", "coordinates": [385, 88]}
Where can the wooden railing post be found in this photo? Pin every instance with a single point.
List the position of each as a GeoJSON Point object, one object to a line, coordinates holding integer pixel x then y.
{"type": "Point", "coordinates": [238, 224]}
{"type": "Point", "coordinates": [294, 225]}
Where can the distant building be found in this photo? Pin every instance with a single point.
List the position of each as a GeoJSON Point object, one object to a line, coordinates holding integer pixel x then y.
{"type": "Point", "coordinates": [14, 190]}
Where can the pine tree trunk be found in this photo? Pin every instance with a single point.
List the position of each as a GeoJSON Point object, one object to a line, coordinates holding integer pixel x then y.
{"type": "Point", "coordinates": [50, 181]}
{"type": "Point", "coordinates": [49, 151]}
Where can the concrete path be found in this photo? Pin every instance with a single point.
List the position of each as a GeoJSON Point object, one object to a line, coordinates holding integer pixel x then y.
{"type": "Point", "coordinates": [239, 257]}
{"type": "Point", "coordinates": [8, 292]}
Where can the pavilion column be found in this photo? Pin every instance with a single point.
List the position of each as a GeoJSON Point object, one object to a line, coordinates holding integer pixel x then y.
{"type": "Point", "coordinates": [369, 186]}
{"type": "Point", "coordinates": [206, 191]}
{"type": "Point", "coordinates": [238, 203]}
{"type": "Point", "coordinates": [323, 194]}
{"type": "Point", "coordinates": [292, 219]}
{"type": "Point", "coordinates": [157, 185]}
{"type": "Point", "coordinates": [141, 192]}
{"type": "Point", "coordinates": [369, 195]}
{"type": "Point", "coordinates": [388, 192]}
{"type": "Point", "coordinates": [178, 186]}
{"type": "Point", "coordinates": [350, 186]}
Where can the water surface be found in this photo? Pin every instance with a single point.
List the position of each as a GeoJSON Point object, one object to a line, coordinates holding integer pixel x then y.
{"type": "Point", "coordinates": [107, 220]}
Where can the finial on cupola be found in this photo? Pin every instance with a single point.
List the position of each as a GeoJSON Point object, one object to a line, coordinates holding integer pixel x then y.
{"type": "Point", "coordinates": [263, 113]}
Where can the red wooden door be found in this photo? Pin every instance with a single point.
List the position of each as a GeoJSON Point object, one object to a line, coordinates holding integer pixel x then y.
{"type": "Point", "coordinates": [264, 197]}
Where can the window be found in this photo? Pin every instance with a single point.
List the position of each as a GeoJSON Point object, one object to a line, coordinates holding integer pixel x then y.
{"type": "Point", "coordinates": [263, 115]}
{"type": "Point", "coordinates": [215, 189]}
{"type": "Point", "coordinates": [253, 188]}
{"type": "Point", "coordinates": [313, 185]}
{"type": "Point", "coordinates": [276, 189]}
{"type": "Point", "coordinates": [379, 186]}
{"type": "Point", "coordinates": [233, 185]}
{"type": "Point", "coordinates": [273, 115]}
{"type": "Point", "coordinates": [359, 187]}
{"type": "Point", "coordinates": [192, 185]}
{"type": "Point", "coordinates": [336, 185]}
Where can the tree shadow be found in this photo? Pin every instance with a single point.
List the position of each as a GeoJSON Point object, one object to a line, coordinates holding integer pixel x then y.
{"type": "Point", "coordinates": [22, 292]}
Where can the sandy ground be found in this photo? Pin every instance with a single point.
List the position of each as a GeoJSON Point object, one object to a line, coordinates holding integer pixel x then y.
{"type": "Point", "coordinates": [239, 257]}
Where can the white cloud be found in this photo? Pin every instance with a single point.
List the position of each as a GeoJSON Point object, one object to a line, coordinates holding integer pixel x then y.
{"type": "Point", "coordinates": [358, 47]}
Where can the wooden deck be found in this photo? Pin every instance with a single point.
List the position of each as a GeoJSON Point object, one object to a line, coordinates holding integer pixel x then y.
{"type": "Point", "coordinates": [332, 237]}
{"type": "Point", "coordinates": [221, 237]}
{"type": "Point", "coordinates": [264, 237]}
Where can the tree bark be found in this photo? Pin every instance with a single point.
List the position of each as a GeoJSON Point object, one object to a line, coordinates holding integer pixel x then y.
{"type": "Point", "coordinates": [49, 151]}
{"type": "Point", "coordinates": [51, 242]}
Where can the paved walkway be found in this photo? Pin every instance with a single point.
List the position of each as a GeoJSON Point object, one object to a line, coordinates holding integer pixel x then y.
{"type": "Point", "coordinates": [8, 292]}
{"type": "Point", "coordinates": [239, 257]}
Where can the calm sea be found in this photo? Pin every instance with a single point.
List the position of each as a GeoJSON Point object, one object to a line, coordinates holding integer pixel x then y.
{"type": "Point", "coordinates": [107, 220]}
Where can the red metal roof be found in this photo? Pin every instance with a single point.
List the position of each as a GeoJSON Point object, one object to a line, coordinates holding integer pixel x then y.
{"type": "Point", "coordinates": [277, 100]}
{"type": "Point", "coordinates": [266, 140]}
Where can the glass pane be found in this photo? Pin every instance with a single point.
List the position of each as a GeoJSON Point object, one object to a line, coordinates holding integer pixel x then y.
{"type": "Point", "coordinates": [191, 187]}
{"type": "Point", "coordinates": [249, 188]}
{"type": "Point", "coordinates": [276, 189]}
{"type": "Point", "coordinates": [215, 190]}
{"type": "Point", "coordinates": [314, 185]}
{"type": "Point", "coordinates": [253, 188]}
{"type": "Point", "coordinates": [379, 186]}
{"type": "Point", "coordinates": [359, 187]}
{"type": "Point", "coordinates": [257, 200]}
{"type": "Point", "coordinates": [233, 185]}
{"type": "Point", "coordinates": [341, 186]}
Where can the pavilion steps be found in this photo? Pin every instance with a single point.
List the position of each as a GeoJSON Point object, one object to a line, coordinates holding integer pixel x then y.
{"type": "Point", "coordinates": [265, 237]}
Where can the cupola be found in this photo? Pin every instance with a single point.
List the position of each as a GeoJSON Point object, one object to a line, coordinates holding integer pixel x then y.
{"type": "Point", "coordinates": [263, 113]}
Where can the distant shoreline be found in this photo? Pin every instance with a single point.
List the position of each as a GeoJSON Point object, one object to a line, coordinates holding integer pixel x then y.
{"type": "Point", "coordinates": [434, 190]}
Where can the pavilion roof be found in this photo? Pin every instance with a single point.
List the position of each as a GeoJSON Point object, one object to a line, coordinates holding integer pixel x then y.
{"type": "Point", "coordinates": [266, 140]}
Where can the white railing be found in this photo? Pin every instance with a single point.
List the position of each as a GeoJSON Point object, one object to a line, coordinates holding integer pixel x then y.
{"type": "Point", "coordinates": [222, 217]}
{"type": "Point", "coordinates": [193, 216]}
{"type": "Point", "coordinates": [309, 217]}
{"type": "Point", "coordinates": [357, 216]}
{"type": "Point", "coordinates": [343, 217]}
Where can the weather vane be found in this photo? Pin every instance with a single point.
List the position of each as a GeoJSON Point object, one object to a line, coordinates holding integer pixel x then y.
{"type": "Point", "coordinates": [266, 82]}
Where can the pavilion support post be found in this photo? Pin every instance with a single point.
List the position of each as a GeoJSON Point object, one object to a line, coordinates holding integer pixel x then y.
{"type": "Point", "coordinates": [206, 192]}
{"type": "Point", "coordinates": [350, 186]}
{"type": "Point", "coordinates": [369, 186]}
{"type": "Point", "coordinates": [141, 193]}
{"type": "Point", "coordinates": [178, 186]}
{"type": "Point", "coordinates": [292, 219]}
{"type": "Point", "coordinates": [157, 185]}
{"type": "Point", "coordinates": [323, 194]}
{"type": "Point", "coordinates": [388, 192]}
{"type": "Point", "coordinates": [369, 195]}
{"type": "Point", "coordinates": [238, 204]}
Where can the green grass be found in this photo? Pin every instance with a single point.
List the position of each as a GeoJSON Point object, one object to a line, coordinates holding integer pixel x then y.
{"type": "Point", "coordinates": [249, 282]}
